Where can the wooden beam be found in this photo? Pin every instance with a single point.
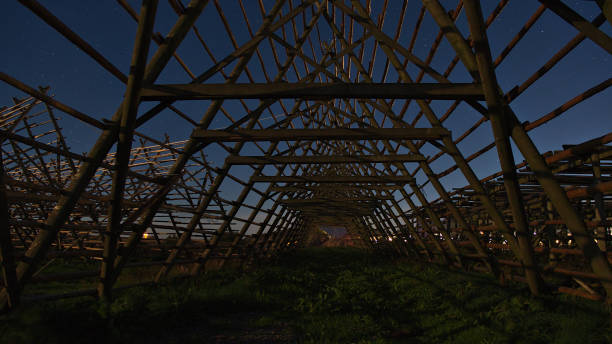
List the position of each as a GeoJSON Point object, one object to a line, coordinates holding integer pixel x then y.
{"type": "Point", "coordinates": [501, 132]}
{"type": "Point", "coordinates": [330, 201]}
{"type": "Point", "coordinates": [334, 188]}
{"type": "Point", "coordinates": [336, 199]}
{"type": "Point", "coordinates": [65, 31]}
{"type": "Point", "coordinates": [333, 179]}
{"type": "Point", "coordinates": [51, 101]}
{"type": "Point", "coordinates": [124, 145]}
{"type": "Point", "coordinates": [580, 23]}
{"type": "Point", "coordinates": [245, 135]}
{"type": "Point", "coordinates": [343, 207]}
{"type": "Point", "coordinates": [342, 211]}
{"type": "Point", "coordinates": [317, 215]}
{"type": "Point", "coordinates": [322, 159]}
{"type": "Point", "coordinates": [313, 91]}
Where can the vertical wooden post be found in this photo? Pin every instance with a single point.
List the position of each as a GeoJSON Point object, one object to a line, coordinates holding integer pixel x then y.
{"type": "Point", "coordinates": [124, 145]}
{"type": "Point", "coordinates": [501, 132]}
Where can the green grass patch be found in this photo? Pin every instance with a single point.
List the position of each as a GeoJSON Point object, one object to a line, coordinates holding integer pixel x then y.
{"type": "Point", "coordinates": [320, 295]}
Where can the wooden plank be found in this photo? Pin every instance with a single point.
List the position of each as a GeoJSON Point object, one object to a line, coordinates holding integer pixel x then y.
{"type": "Point", "coordinates": [334, 188]}
{"type": "Point", "coordinates": [331, 200]}
{"type": "Point", "coordinates": [331, 206]}
{"type": "Point", "coordinates": [580, 23]}
{"type": "Point", "coordinates": [320, 91]}
{"type": "Point", "coordinates": [333, 179]}
{"type": "Point", "coordinates": [245, 135]}
{"type": "Point", "coordinates": [330, 159]}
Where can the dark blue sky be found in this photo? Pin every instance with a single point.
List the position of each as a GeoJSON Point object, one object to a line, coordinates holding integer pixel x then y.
{"type": "Point", "coordinates": [37, 55]}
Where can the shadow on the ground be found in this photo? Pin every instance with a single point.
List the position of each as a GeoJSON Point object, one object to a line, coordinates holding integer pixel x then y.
{"type": "Point", "coordinates": [323, 295]}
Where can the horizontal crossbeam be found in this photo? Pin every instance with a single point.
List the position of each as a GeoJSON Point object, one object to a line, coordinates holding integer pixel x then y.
{"type": "Point", "coordinates": [334, 209]}
{"type": "Point", "coordinates": [334, 188]}
{"type": "Point", "coordinates": [320, 91]}
{"type": "Point", "coordinates": [323, 200]}
{"type": "Point", "coordinates": [333, 179]}
{"type": "Point", "coordinates": [318, 214]}
{"type": "Point", "coordinates": [330, 159]}
{"type": "Point", "coordinates": [245, 135]}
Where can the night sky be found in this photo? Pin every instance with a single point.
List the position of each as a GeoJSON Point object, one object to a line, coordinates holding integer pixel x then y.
{"type": "Point", "coordinates": [37, 55]}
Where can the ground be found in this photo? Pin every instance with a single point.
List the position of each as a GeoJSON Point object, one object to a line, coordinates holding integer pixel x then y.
{"type": "Point", "coordinates": [321, 295]}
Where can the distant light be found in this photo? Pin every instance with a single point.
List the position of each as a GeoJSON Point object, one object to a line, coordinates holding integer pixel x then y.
{"type": "Point", "coordinates": [557, 241]}
{"type": "Point", "coordinates": [145, 235]}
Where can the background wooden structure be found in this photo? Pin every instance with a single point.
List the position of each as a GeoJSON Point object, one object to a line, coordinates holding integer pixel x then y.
{"type": "Point", "coordinates": [341, 146]}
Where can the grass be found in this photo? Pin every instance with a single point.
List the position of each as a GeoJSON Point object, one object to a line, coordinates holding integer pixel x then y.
{"type": "Point", "coordinates": [322, 295]}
